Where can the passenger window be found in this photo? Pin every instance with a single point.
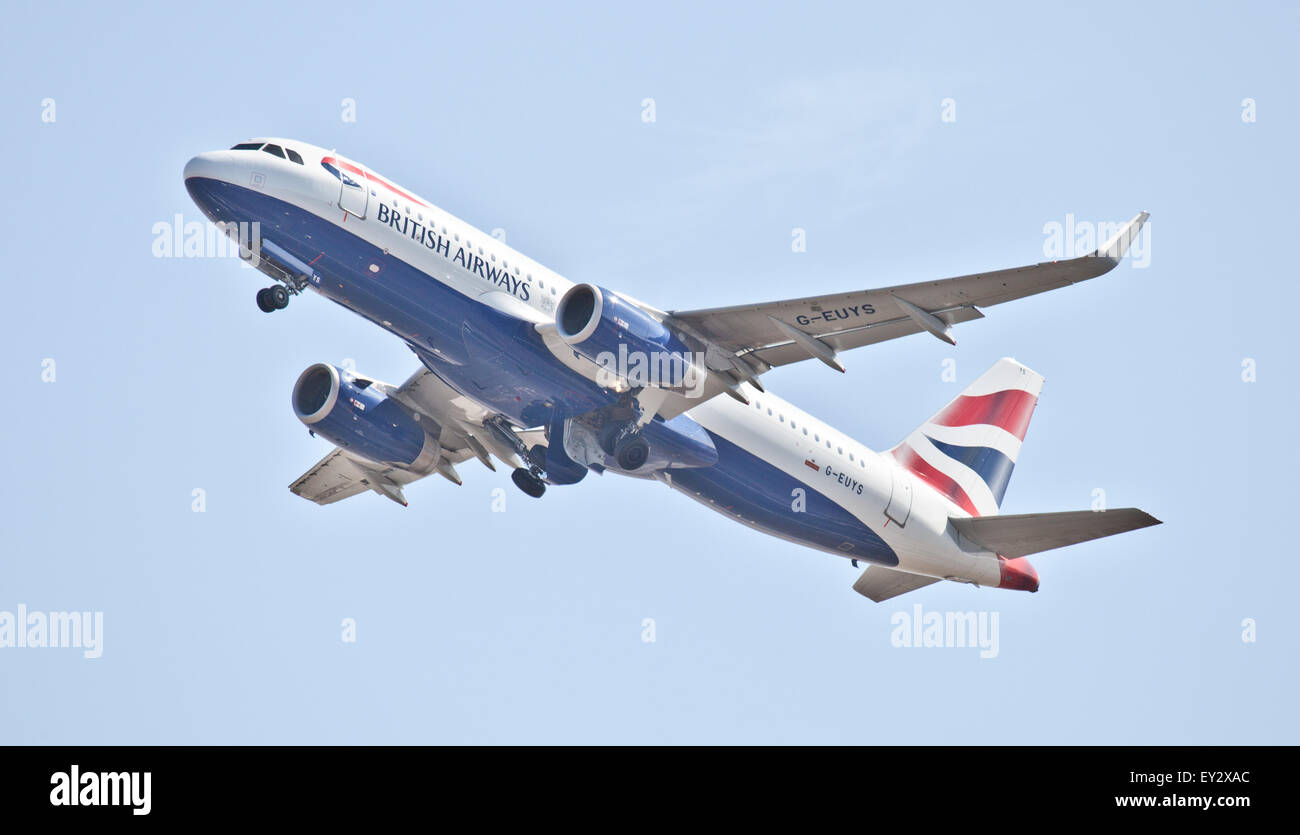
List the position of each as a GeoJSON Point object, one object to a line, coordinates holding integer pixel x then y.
{"type": "Point", "coordinates": [274, 150]}
{"type": "Point", "coordinates": [293, 155]}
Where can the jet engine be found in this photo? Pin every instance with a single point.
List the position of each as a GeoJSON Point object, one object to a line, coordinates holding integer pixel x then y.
{"type": "Point", "coordinates": [624, 340]}
{"type": "Point", "coordinates": [355, 414]}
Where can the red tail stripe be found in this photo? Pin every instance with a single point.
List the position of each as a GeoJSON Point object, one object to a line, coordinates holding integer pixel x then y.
{"type": "Point", "coordinates": [1010, 410]}
{"type": "Point", "coordinates": [936, 479]}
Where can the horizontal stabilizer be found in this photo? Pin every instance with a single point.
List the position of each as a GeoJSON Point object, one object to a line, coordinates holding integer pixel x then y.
{"type": "Point", "coordinates": [1029, 533]}
{"type": "Point", "coordinates": [880, 583]}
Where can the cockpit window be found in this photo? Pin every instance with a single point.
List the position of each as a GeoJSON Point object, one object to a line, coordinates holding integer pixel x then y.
{"type": "Point", "coordinates": [274, 150]}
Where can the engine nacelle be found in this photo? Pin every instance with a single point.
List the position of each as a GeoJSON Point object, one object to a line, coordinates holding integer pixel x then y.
{"type": "Point", "coordinates": [352, 413]}
{"type": "Point", "coordinates": [625, 341]}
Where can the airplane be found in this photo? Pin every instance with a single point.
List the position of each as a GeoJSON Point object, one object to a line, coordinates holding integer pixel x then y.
{"type": "Point", "coordinates": [557, 379]}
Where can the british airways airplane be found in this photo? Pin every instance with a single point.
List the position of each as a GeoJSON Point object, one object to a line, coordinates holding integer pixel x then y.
{"type": "Point", "coordinates": [557, 379]}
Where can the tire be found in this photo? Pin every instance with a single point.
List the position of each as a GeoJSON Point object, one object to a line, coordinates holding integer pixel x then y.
{"type": "Point", "coordinates": [529, 483]}
{"type": "Point", "coordinates": [632, 453]}
{"type": "Point", "coordinates": [609, 435]}
{"type": "Point", "coordinates": [278, 296]}
{"type": "Point", "coordinates": [263, 303]}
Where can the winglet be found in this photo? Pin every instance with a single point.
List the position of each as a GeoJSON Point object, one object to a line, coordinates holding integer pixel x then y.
{"type": "Point", "coordinates": [1118, 245]}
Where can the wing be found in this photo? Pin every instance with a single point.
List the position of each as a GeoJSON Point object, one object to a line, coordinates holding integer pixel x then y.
{"type": "Point", "coordinates": [762, 336]}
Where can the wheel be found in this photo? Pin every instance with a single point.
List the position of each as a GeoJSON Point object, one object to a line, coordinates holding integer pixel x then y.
{"type": "Point", "coordinates": [278, 296]}
{"type": "Point", "coordinates": [632, 452]}
{"type": "Point", "coordinates": [609, 436]}
{"type": "Point", "coordinates": [529, 483]}
{"type": "Point", "coordinates": [263, 303]}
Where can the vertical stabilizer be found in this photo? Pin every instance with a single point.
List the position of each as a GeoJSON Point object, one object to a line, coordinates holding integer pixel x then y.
{"type": "Point", "coordinates": [969, 448]}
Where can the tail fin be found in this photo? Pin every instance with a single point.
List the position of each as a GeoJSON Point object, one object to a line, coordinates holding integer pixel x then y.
{"type": "Point", "coordinates": [968, 450]}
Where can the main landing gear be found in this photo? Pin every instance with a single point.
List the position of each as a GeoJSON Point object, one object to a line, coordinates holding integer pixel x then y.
{"type": "Point", "coordinates": [622, 440]}
{"type": "Point", "coordinates": [529, 482]}
{"type": "Point", "coordinates": [275, 297]}
{"type": "Point", "coordinates": [531, 478]}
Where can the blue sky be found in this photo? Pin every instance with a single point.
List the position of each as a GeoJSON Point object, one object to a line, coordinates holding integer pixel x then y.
{"type": "Point", "coordinates": [526, 626]}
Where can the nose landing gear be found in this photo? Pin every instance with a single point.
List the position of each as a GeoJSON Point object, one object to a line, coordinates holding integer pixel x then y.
{"type": "Point", "coordinates": [272, 298]}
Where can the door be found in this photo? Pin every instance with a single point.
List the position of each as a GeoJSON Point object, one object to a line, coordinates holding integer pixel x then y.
{"type": "Point", "coordinates": [353, 192]}
{"type": "Point", "coordinates": [900, 497]}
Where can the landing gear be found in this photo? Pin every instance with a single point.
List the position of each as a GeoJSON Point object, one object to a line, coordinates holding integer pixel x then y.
{"type": "Point", "coordinates": [610, 434]}
{"type": "Point", "coordinates": [622, 440]}
{"type": "Point", "coordinates": [531, 478]}
{"type": "Point", "coordinates": [631, 452]}
{"type": "Point", "coordinates": [272, 298]}
{"type": "Point", "coordinates": [527, 481]}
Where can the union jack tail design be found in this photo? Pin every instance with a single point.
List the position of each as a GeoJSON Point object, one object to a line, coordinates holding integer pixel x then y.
{"type": "Point", "coordinates": [967, 450]}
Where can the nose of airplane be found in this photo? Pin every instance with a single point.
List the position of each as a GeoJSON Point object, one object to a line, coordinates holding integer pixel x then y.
{"type": "Point", "coordinates": [1017, 574]}
{"type": "Point", "coordinates": [206, 177]}
{"type": "Point", "coordinates": [208, 164]}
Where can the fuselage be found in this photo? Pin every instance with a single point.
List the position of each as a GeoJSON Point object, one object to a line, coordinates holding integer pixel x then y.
{"type": "Point", "coordinates": [470, 307]}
